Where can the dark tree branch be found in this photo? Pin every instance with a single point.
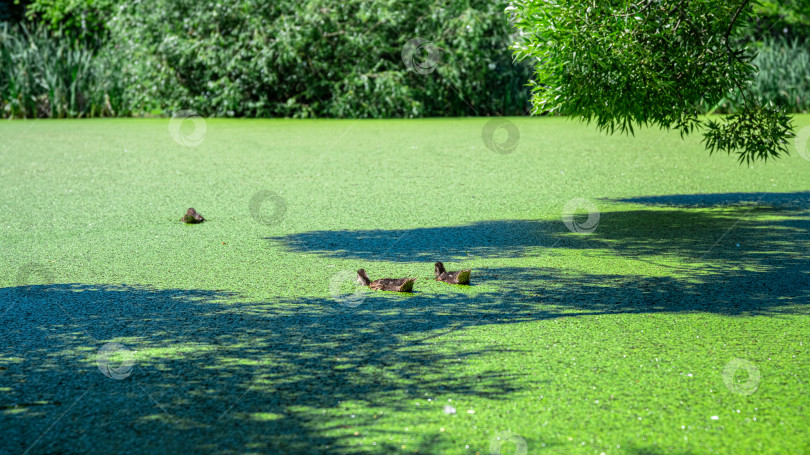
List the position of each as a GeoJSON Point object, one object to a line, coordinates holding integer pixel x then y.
{"type": "Point", "coordinates": [734, 21]}
{"type": "Point", "coordinates": [731, 55]}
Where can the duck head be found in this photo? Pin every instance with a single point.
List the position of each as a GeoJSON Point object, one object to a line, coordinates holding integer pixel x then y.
{"type": "Point", "coordinates": [362, 278]}
{"type": "Point", "coordinates": [192, 217]}
{"type": "Point", "coordinates": [439, 269]}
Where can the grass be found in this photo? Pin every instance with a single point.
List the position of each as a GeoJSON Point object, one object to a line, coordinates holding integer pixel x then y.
{"type": "Point", "coordinates": [243, 337]}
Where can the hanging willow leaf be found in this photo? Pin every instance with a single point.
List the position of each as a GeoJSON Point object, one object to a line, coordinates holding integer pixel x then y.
{"type": "Point", "coordinates": [649, 63]}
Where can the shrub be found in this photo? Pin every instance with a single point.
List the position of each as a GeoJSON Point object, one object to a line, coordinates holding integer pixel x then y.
{"type": "Point", "coordinates": [319, 58]}
{"type": "Point", "coordinates": [76, 19]}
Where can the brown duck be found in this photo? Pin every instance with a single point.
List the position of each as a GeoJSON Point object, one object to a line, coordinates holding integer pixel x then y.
{"type": "Point", "coordinates": [386, 284]}
{"type": "Point", "coordinates": [460, 277]}
{"type": "Point", "coordinates": [192, 217]}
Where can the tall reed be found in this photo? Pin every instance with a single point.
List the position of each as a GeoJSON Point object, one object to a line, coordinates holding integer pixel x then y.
{"type": "Point", "coordinates": [784, 73]}
{"type": "Point", "coordinates": [43, 75]}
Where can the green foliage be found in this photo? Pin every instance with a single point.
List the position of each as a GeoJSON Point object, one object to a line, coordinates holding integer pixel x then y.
{"type": "Point", "coordinates": [789, 19]}
{"type": "Point", "coordinates": [755, 133]}
{"type": "Point", "coordinates": [782, 78]}
{"type": "Point", "coordinates": [323, 58]}
{"type": "Point", "coordinates": [84, 19]}
{"type": "Point", "coordinates": [782, 82]}
{"type": "Point", "coordinates": [319, 58]}
{"type": "Point", "coordinates": [784, 74]}
{"type": "Point", "coordinates": [793, 11]}
{"type": "Point", "coordinates": [649, 63]}
{"type": "Point", "coordinates": [43, 76]}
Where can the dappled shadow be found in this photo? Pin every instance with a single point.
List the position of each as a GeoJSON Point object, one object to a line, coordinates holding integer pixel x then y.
{"type": "Point", "coordinates": [502, 238]}
{"type": "Point", "coordinates": [213, 373]}
{"type": "Point", "coordinates": [685, 232]}
{"type": "Point", "coordinates": [732, 259]}
{"type": "Point", "coordinates": [795, 199]}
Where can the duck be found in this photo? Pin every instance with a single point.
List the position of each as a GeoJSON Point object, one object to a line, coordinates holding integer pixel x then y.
{"type": "Point", "coordinates": [386, 284]}
{"type": "Point", "coordinates": [460, 277]}
{"type": "Point", "coordinates": [192, 217]}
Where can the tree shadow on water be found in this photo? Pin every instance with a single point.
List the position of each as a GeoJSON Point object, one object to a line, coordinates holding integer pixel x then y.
{"type": "Point", "coordinates": [785, 200]}
{"type": "Point", "coordinates": [732, 253]}
{"type": "Point", "coordinates": [501, 238]}
{"type": "Point", "coordinates": [211, 373]}
{"type": "Point", "coordinates": [674, 226]}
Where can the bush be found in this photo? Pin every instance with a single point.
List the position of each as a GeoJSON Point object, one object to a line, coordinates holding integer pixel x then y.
{"type": "Point", "coordinates": [76, 19]}
{"type": "Point", "coordinates": [320, 58]}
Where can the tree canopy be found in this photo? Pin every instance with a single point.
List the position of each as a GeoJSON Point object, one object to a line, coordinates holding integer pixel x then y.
{"type": "Point", "coordinates": [651, 62]}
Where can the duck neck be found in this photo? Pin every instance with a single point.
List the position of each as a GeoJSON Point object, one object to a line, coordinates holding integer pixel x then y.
{"type": "Point", "coordinates": [439, 268]}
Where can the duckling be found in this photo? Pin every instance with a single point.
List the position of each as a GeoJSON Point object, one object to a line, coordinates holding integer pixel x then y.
{"type": "Point", "coordinates": [386, 284]}
{"type": "Point", "coordinates": [460, 277]}
{"type": "Point", "coordinates": [192, 217]}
